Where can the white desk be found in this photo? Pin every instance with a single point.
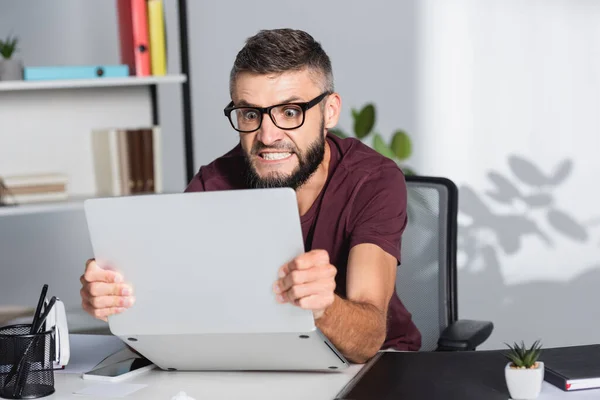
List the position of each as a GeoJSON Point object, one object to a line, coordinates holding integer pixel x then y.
{"type": "Point", "coordinates": [220, 385]}
{"type": "Point", "coordinates": [240, 385]}
{"type": "Point", "coordinates": [201, 385]}
{"type": "Point", "coordinates": [251, 385]}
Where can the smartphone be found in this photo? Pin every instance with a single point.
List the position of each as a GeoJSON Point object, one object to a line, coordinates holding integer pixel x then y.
{"type": "Point", "coordinates": [121, 370]}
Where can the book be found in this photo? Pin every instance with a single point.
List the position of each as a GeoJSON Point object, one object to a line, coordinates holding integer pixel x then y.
{"type": "Point", "coordinates": [156, 28]}
{"type": "Point", "coordinates": [10, 313]}
{"type": "Point", "coordinates": [33, 188]}
{"type": "Point", "coordinates": [127, 161]}
{"type": "Point", "coordinates": [45, 73]}
{"type": "Point", "coordinates": [134, 41]}
{"type": "Point", "coordinates": [573, 367]}
{"type": "Point", "coordinates": [110, 156]}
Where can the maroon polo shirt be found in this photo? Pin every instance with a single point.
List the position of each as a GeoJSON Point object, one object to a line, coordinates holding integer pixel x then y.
{"type": "Point", "coordinates": [363, 201]}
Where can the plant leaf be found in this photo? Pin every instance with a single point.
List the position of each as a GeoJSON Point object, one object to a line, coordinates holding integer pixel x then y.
{"type": "Point", "coordinates": [401, 145]}
{"type": "Point", "coordinates": [8, 47]}
{"type": "Point", "coordinates": [365, 121]}
{"type": "Point", "coordinates": [528, 361]}
{"type": "Point", "coordinates": [538, 200]}
{"type": "Point", "coordinates": [338, 132]}
{"type": "Point", "coordinates": [354, 113]}
{"type": "Point", "coordinates": [382, 148]}
{"type": "Point", "coordinates": [527, 172]}
{"type": "Point", "coordinates": [566, 225]}
{"type": "Point", "coordinates": [562, 172]}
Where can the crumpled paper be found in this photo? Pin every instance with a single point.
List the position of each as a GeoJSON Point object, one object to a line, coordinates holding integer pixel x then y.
{"type": "Point", "coordinates": [182, 396]}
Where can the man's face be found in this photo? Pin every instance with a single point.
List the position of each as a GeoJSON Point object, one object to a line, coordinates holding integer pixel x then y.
{"type": "Point", "coordinates": [276, 157]}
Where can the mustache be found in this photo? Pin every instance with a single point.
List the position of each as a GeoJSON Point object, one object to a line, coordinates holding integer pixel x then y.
{"type": "Point", "coordinates": [259, 146]}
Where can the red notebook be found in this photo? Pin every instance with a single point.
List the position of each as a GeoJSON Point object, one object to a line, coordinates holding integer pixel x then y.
{"type": "Point", "coordinates": [133, 36]}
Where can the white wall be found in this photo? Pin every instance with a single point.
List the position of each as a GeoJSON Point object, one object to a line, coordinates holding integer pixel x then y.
{"type": "Point", "coordinates": [509, 93]}
{"type": "Point", "coordinates": [371, 46]}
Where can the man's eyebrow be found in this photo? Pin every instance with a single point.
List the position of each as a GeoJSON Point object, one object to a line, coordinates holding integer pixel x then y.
{"type": "Point", "coordinates": [290, 100]}
{"type": "Point", "coordinates": [244, 103]}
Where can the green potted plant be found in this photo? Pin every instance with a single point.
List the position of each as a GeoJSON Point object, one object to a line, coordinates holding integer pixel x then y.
{"type": "Point", "coordinates": [524, 374]}
{"type": "Point", "coordinates": [400, 147]}
{"type": "Point", "coordinates": [11, 69]}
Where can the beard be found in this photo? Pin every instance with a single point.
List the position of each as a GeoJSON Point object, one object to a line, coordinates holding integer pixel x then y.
{"type": "Point", "coordinates": [308, 163]}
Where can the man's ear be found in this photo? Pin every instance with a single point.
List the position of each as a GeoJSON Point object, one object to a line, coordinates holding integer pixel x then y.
{"type": "Point", "coordinates": [332, 110]}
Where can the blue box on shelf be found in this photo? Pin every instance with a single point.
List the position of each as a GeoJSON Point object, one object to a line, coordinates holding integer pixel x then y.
{"type": "Point", "coordinates": [75, 72]}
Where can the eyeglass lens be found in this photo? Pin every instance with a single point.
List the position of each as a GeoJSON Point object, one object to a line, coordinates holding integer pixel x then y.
{"type": "Point", "coordinates": [287, 116]}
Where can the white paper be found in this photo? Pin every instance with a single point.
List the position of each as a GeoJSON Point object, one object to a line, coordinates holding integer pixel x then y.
{"type": "Point", "coordinates": [182, 396]}
{"type": "Point", "coordinates": [87, 351]}
{"type": "Point", "coordinates": [111, 389]}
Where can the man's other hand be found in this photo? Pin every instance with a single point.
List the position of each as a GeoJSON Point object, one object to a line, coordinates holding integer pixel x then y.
{"type": "Point", "coordinates": [308, 282]}
{"type": "Point", "coordinates": [103, 292]}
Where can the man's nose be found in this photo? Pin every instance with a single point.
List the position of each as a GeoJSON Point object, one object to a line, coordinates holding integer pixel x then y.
{"type": "Point", "coordinates": [269, 133]}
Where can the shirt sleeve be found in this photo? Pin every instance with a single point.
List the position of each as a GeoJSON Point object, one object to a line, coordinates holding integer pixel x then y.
{"type": "Point", "coordinates": [196, 184]}
{"type": "Point", "coordinates": [379, 211]}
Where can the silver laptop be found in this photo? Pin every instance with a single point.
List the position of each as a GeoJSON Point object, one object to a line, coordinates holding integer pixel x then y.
{"type": "Point", "coordinates": [202, 266]}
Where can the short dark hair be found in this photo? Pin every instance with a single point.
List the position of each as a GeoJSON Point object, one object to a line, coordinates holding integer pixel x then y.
{"type": "Point", "coordinates": [282, 50]}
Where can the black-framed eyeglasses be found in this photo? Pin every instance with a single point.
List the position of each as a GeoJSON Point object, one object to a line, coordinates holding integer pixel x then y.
{"type": "Point", "coordinates": [285, 116]}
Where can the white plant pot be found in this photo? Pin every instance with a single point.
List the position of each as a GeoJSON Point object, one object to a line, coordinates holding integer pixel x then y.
{"type": "Point", "coordinates": [11, 70]}
{"type": "Point", "coordinates": [524, 384]}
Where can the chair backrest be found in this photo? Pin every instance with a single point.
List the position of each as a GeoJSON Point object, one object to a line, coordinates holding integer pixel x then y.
{"type": "Point", "coordinates": [426, 278]}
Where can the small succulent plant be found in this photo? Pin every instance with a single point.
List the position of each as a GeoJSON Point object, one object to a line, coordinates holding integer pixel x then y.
{"type": "Point", "coordinates": [522, 357]}
{"type": "Point", "coordinates": [8, 47]}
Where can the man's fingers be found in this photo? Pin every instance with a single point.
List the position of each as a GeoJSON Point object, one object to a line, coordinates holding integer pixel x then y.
{"type": "Point", "coordinates": [305, 261]}
{"type": "Point", "coordinates": [101, 313]}
{"type": "Point", "coordinates": [93, 273]}
{"type": "Point", "coordinates": [298, 292]}
{"type": "Point", "coordinates": [108, 289]}
{"type": "Point", "coordinates": [110, 301]}
{"type": "Point", "coordinates": [299, 277]}
{"type": "Point", "coordinates": [315, 301]}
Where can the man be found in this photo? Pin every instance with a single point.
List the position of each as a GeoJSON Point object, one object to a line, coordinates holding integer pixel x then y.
{"type": "Point", "coordinates": [352, 200]}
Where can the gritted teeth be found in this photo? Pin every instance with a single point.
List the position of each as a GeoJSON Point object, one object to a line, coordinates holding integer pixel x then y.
{"type": "Point", "coordinates": [275, 156]}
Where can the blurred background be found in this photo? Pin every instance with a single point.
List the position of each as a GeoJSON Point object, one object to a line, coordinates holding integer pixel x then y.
{"type": "Point", "coordinates": [501, 96]}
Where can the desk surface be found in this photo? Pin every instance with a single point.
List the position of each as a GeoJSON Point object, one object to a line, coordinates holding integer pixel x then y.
{"type": "Point", "coordinates": [220, 385]}
{"type": "Point", "coordinates": [251, 385]}
{"type": "Point", "coordinates": [237, 385]}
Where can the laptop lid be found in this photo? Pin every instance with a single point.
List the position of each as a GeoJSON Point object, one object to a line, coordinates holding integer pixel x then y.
{"type": "Point", "coordinates": [200, 263]}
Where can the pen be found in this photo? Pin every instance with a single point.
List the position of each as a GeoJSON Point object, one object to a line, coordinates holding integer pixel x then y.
{"type": "Point", "coordinates": [43, 317]}
{"type": "Point", "coordinates": [38, 310]}
{"type": "Point", "coordinates": [36, 316]}
{"type": "Point", "coordinates": [22, 367]}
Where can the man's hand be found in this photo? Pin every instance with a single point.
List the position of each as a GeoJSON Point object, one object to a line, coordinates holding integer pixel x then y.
{"type": "Point", "coordinates": [308, 281]}
{"type": "Point", "coordinates": [103, 292]}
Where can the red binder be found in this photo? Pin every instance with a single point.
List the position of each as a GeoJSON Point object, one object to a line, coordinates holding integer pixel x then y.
{"type": "Point", "coordinates": [133, 35]}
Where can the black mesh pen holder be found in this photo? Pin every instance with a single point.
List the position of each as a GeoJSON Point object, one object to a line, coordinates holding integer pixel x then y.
{"type": "Point", "coordinates": [26, 363]}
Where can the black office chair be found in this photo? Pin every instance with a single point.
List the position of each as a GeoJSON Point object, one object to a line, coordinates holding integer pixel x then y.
{"type": "Point", "coordinates": [426, 279]}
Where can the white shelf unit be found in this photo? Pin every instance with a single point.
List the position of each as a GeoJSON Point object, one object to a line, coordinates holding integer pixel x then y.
{"type": "Point", "coordinates": [47, 126]}
{"type": "Point", "coordinates": [90, 83]}
{"type": "Point", "coordinates": [51, 206]}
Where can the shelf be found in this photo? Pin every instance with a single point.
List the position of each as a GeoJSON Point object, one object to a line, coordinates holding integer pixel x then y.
{"type": "Point", "coordinates": [72, 203]}
{"type": "Point", "coordinates": [43, 207]}
{"type": "Point", "coordinates": [90, 83]}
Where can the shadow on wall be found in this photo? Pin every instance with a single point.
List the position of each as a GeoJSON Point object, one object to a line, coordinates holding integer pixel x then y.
{"type": "Point", "coordinates": [522, 311]}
